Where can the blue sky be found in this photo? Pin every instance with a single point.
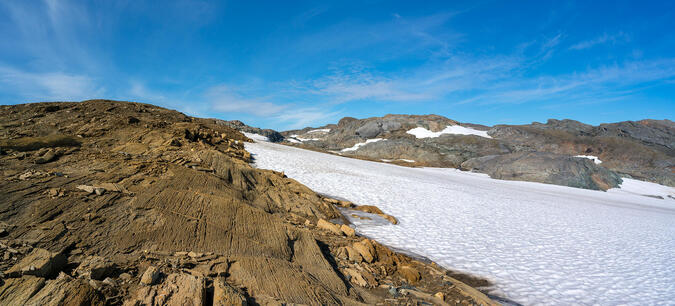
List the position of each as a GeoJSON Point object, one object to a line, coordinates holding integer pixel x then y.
{"type": "Point", "coordinates": [290, 64]}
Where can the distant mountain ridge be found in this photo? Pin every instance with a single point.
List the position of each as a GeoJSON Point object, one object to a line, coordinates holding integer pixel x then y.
{"type": "Point", "coordinates": [559, 152]}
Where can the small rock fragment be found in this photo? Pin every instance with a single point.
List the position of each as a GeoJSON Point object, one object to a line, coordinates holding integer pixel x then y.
{"type": "Point", "coordinates": [150, 276]}
{"type": "Point", "coordinates": [125, 276]}
{"type": "Point", "coordinates": [99, 190]}
{"type": "Point", "coordinates": [194, 254]}
{"type": "Point", "coordinates": [86, 188]}
{"type": "Point", "coordinates": [109, 281]}
{"type": "Point", "coordinates": [49, 156]}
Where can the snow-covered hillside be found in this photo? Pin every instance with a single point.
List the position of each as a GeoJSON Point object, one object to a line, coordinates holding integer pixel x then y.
{"type": "Point", "coordinates": [540, 244]}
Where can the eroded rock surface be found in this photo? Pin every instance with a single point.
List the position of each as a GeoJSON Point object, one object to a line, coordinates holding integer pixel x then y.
{"type": "Point", "coordinates": [176, 197]}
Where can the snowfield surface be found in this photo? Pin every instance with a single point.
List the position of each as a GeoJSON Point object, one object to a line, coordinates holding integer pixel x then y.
{"type": "Point", "coordinates": [421, 132]}
{"type": "Point", "coordinates": [256, 136]}
{"type": "Point", "coordinates": [539, 243]}
{"type": "Point", "coordinates": [319, 131]}
{"type": "Point", "coordinates": [358, 145]}
{"type": "Point", "coordinates": [632, 186]}
{"type": "Point", "coordinates": [595, 159]}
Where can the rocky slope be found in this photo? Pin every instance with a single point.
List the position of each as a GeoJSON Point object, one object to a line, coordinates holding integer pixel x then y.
{"type": "Point", "coordinates": [106, 202]}
{"type": "Point", "coordinates": [534, 152]}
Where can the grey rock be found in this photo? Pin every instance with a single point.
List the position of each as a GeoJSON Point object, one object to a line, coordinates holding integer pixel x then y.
{"type": "Point", "coordinates": [639, 149]}
{"type": "Point", "coordinates": [546, 168]}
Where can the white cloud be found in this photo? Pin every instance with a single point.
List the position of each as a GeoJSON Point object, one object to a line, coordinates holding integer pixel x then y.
{"type": "Point", "coordinates": [50, 86]}
{"type": "Point", "coordinates": [605, 38]}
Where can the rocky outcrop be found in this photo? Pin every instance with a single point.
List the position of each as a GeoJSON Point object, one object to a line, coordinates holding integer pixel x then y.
{"type": "Point", "coordinates": [272, 135]}
{"type": "Point", "coordinates": [180, 217]}
{"type": "Point", "coordinates": [545, 168]}
{"type": "Point", "coordinates": [639, 149]}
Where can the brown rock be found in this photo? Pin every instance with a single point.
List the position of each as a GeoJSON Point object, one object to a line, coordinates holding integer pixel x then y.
{"type": "Point", "coordinates": [345, 204]}
{"type": "Point", "coordinates": [369, 209]}
{"type": "Point", "coordinates": [353, 255]}
{"type": "Point", "coordinates": [39, 262]}
{"type": "Point", "coordinates": [150, 276]}
{"type": "Point", "coordinates": [366, 250]}
{"type": "Point", "coordinates": [49, 156]}
{"type": "Point", "coordinates": [333, 228]}
{"type": "Point", "coordinates": [331, 201]}
{"type": "Point", "coordinates": [347, 230]}
{"type": "Point", "coordinates": [64, 290]}
{"type": "Point", "coordinates": [226, 295]}
{"type": "Point", "coordinates": [375, 210]}
{"type": "Point", "coordinates": [389, 218]}
{"type": "Point", "coordinates": [410, 274]}
{"type": "Point", "coordinates": [355, 277]}
{"type": "Point", "coordinates": [95, 267]}
{"type": "Point", "coordinates": [17, 291]}
{"type": "Point", "coordinates": [177, 289]}
{"type": "Point", "coordinates": [86, 188]}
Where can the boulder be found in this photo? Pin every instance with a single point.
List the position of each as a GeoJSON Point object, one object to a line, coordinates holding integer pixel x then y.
{"type": "Point", "coordinates": [347, 230]}
{"type": "Point", "coordinates": [349, 253]}
{"type": "Point", "coordinates": [39, 262]}
{"type": "Point", "coordinates": [369, 130]}
{"type": "Point", "coordinates": [375, 210]}
{"type": "Point", "coordinates": [150, 276]}
{"type": "Point", "coordinates": [410, 274]}
{"type": "Point", "coordinates": [355, 277]}
{"type": "Point", "coordinates": [366, 249]}
{"type": "Point", "coordinates": [333, 228]}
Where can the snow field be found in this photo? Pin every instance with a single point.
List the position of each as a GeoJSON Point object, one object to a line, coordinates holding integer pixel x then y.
{"type": "Point", "coordinates": [360, 144]}
{"type": "Point", "coordinates": [539, 243]}
{"type": "Point", "coordinates": [421, 132]}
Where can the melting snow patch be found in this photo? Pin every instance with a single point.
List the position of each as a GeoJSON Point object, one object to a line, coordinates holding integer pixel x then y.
{"type": "Point", "coordinates": [319, 130]}
{"type": "Point", "coordinates": [539, 243]}
{"type": "Point", "coordinates": [595, 159]}
{"type": "Point", "coordinates": [654, 190]}
{"type": "Point", "coordinates": [293, 140]}
{"type": "Point", "coordinates": [421, 132]}
{"type": "Point", "coordinates": [256, 136]}
{"type": "Point", "coordinates": [358, 145]}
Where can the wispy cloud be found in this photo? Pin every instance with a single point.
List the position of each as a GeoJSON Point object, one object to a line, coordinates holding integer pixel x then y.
{"type": "Point", "coordinates": [603, 39]}
{"type": "Point", "coordinates": [50, 85]}
{"type": "Point", "coordinates": [233, 99]}
{"type": "Point", "coordinates": [605, 83]}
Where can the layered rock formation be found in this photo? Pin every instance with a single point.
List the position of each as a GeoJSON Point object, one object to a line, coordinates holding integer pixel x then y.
{"type": "Point", "coordinates": [537, 152]}
{"type": "Point", "coordinates": [106, 202]}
